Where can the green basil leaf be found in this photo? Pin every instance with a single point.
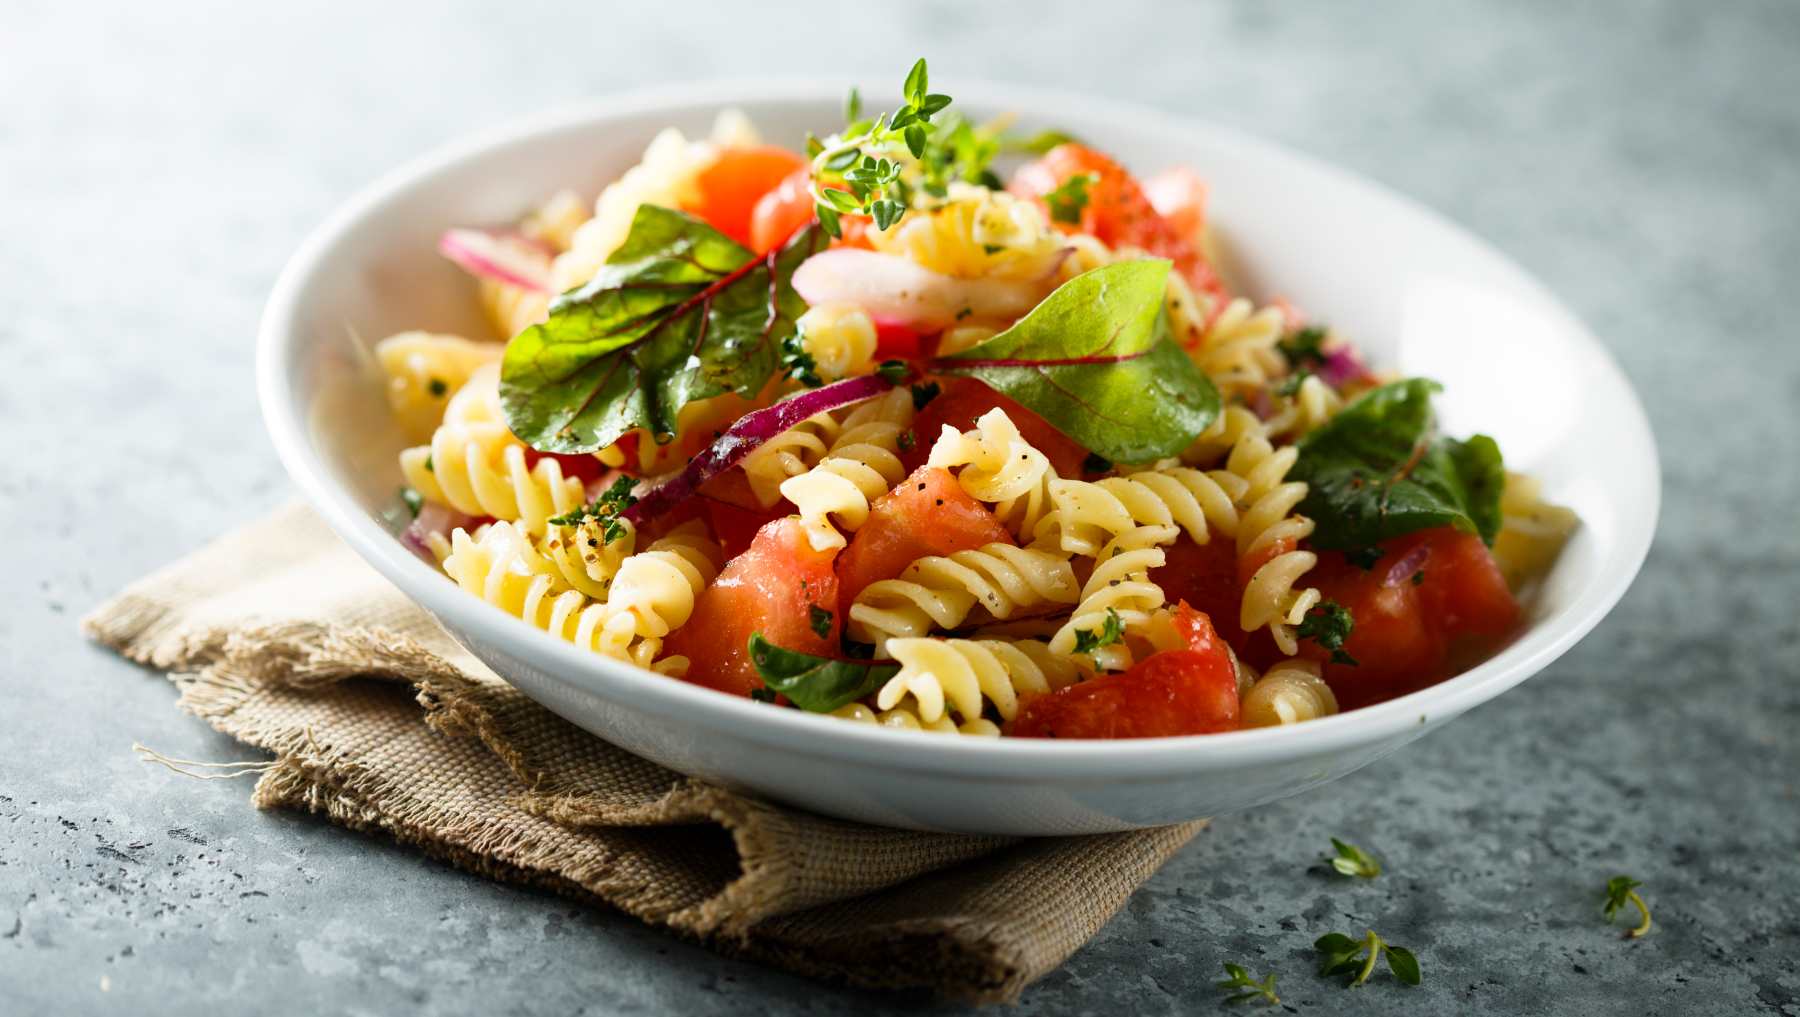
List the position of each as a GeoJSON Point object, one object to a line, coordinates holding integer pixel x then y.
{"type": "Point", "coordinates": [1377, 471]}
{"type": "Point", "coordinates": [680, 312]}
{"type": "Point", "coordinates": [1095, 360]}
{"type": "Point", "coordinates": [816, 684]}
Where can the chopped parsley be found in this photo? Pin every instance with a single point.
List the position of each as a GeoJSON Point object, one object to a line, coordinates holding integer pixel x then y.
{"type": "Point", "coordinates": [1111, 631]}
{"type": "Point", "coordinates": [438, 387]}
{"type": "Point", "coordinates": [414, 501]}
{"type": "Point", "coordinates": [1304, 347]}
{"type": "Point", "coordinates": [924, 393]}
{"type": "Point", "coordinates": [906, 442]}
{"type": "Point", "coordinates": [1096, 463]}
{"type": "Point", "coordinates": [1291, 384]}
{"type": "Point", "coordinates": [798, 364]}
{"type": "Point", "coordinates": [895, 371]}
{"type": "Point", "coordinates": [1365, 557]}
{"type": "Point", "coordinates": [1070, 198]}
{"type": "Point", "coordinates": [1329, 624]}
{"type": "Point", "coordinates": [604, 510]}
{"type": "Point", "coordinates": [820, 620]}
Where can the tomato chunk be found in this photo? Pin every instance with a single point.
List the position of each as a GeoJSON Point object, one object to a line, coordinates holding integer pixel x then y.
{"type": "Point", "coordinates": [1175, 692]}
{"type": "Point", "coordinates": [1431, 598]}
{"type": "Point", "coordinates": [772, 588]}
{"type": "Point", "coordinates": [964, 399]}
{"type": "Point", "coordinates": [927, 513]}
{"type": "Point", "coordinates": [1206, 576]}
{"type": "Point", "coordinates": [784, 209]}
{"type": "Point", "coordinates": [732, 188]}
{"type": "Point", "coordinates": [1118, 211]}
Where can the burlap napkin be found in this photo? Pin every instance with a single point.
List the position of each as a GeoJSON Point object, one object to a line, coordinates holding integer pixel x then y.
{"type": "Point", "coordinates": [279, 636]}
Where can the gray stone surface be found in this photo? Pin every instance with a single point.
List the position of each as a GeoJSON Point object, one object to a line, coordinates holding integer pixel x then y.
{"type": "Point", "coordinates": [158, 165]}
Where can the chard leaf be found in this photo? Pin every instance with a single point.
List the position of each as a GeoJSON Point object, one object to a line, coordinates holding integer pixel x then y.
{"type": "Point", "coordinates": [1096, 361]}
{"type": "Point", "coordinates": [680, 312]}
{"type": "Point", "coordinates": [816, 684]}
{"type": "Point", "coordinates": [1377, 470]}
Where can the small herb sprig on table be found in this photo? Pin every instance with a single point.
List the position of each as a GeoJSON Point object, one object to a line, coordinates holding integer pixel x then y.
{"type": "Point", "coordinates": [1357, 958]}
{"type": "Point", "coordinates": [1245, 989]}
{"type": "Point", "coordinates": [1620, 891]}
{"type": "Point", "coordinates": [1351, 860]}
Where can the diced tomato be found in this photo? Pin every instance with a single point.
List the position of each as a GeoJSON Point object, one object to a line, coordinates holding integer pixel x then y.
{"type": "Point", "coordinates": [732, 188]}
{"type": "Point", "coordinates": [1408, 630]}
{"type": "Point", "coordinates": [781, 211]}
{"type": "Point", "coordinates": [1179, 196]}
{"type": "Point", "coordinates": [1175, 692]}
{"type": "Point", "coordinates": [896, 340]}
{"type": "Point", "coordinates": [927, 513]}
{"type": "Point", "coordinates": [1117, 212]}
{"type": "Point", "coordinates": [772, 588]}
{"type": "Point", "coordinates": [1206, 576]}
{"type": "Point", "coordinates": [964, 399]}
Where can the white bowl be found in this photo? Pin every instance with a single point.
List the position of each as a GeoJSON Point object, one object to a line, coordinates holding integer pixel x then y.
{"type": "Point", "coordinates": [1420, 295]}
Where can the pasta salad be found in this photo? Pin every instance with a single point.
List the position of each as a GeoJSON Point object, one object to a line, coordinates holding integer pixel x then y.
{"type": "Point", "coordinates": [932, 425]}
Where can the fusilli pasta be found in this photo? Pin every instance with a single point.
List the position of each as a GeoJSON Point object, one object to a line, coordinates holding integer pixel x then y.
{"type": "Point", "coordinates": [976, 233]}
{"type": "Point", "coordinates": [1289, 692]}
{"type": "Point", "coordinates": [863, 463]}
{"type": "Point", "coordinates": [423, 369]}
{"type": "Point", "coordinates": [944, 592]}
{"type": "Point", "coordinates": [1120, 584]}
{"type": "Point", "coordinates": [840, 338]}
{"type": "Point", "coordinates": [907, 719]}
{"type": "Point", "coordinates": [1532, 531]}
{"type": "Point", "coordinates": [1238, 350]}
{"type": "Point", "coordinates": [962, 674]}
{"type": "Point", "coordinates": [999, 467]}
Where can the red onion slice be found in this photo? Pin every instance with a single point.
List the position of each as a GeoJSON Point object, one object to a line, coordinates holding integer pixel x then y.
{"type": "Point", "coordinates": [503, 257]}
{"type": "Point", "coordinates": [742, 438]}
{"type": "Point", "coordinates": [1409, 564]}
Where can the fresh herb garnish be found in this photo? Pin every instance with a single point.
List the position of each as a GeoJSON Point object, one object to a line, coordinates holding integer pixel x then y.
{"type": "Point", "coordinates": [1364, 557]}
{"type": "Point", "coordinates": [437, 387]}
{"type": "Point", "coordinates": [413, 499]}
{"type": "Point", "coordinates": [798, 364]}
{"type": "Point", "coordinates": [897, 372]}
{"type": "Point", "coordinates": [1096, 464]}
{"type": "Point", "coordinates": [906, 442]}
{"type": "Point", "coordinates": [430, 467]}
{"type": "Point", "coordinates": [816, 684]}
{"type": "Point", "coordinates": [925, 393]}
{"type": "Point", "coordinates": [1351, 860]}
{"type": "Point", "coordinates": [858, 172]}
{"type": "Point", "coordinates": [819, 620]}
{"type": "Point", "coordinates": [1095, 360]}
{"type": "Point", "coordinates": [1290, 385]}
{"type": "Point", "coordinates": [1357, 958]}
{"type": "Point", "coordinates": [1329, 624]}
{"type": "Point", "coordinates": [604, 510]}
{"type": "Point", "coordinates": [1377, 470]}
{"type": "Point", "coordinates": [679, 313]}
{"type": "Point", "coordinates": [1620, 891]}
{"type": "Point", "coordinates": [1111, 631]}
{"type": "Point", "coordinates": [1070, 198]}
{"type": "Point", "coordinates": [1245, 989]}
{"type": "Point", "coordinates": [1304, 347]}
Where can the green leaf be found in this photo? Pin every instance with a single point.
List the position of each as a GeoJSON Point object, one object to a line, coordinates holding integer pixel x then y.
{"type": "Point", "coordinates": [679, 313]}
{"type": "Point", "coordinates": [1376, 471]}
{"type": "Point", "coordinates": [1111, 630]}
{"type": "Point", "coordinates": [1329, 624]}
{"type": "Point", "coordinates": [853, 106]}
{"type": "Point", "coordinates": [1354, 861]}
{"type": "Point", "coordinates": [1095, 360]}
{"type": "Point", "coordinates": [917, 84]}
{"type": "Point", "coordinates": [413, 499]}
{"type": "Point", "coordinates": [819, 620]}
{"type": "Point", "coordinates": [816, 684]}
{"type": "Point", "coordinates": [1403, 964]}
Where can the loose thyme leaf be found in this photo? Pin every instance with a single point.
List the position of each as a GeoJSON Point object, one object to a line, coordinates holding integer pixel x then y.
{"type": "Point", "coordinates": [1069, 199]}
{"type": "Point", "coordinates": [1403, 964]}
{"type": "Point", "coordinates": [1358, 958]}
{"type": "Point", "coordinates": [1353, 861]}
{"type": "Point", "coordinates": [1620, 891]}
{"type": "Point", "coordinates": [1246, 988]}
{"type": "Point", "coordinates": [679, 313]}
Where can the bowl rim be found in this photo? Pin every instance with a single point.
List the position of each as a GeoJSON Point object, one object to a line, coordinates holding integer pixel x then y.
{"type": "Point", "coordinates": [793, 732]}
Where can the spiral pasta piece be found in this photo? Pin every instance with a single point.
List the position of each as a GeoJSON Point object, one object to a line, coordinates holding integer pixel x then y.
{"type": "Point", "coordinates": [962, 675]}
{"type": "Point", "coordinates": [584, 558]}
{"type": "Point", "coordinates": [500, 565]}
{"type": "Point", "coordinates": [1167, 499]}
{"type": "Point", "coordinates": [1268, 528]}
{"type": "Point", "coordinates": [839, 337]}
{"type": "Point", "coordinates": [1238, 349]}
{"type": "Point", "coordinates": [512, 309]}
{"type": "Point", "coordinates": [788, 454]}
{"type": "Point", "coordinates": [999, 467]}
{"type": "Point", "coordinates": [945, 592]}
{"type": "Point", "coordinates": [1532, 531]}
{"type": "Point", "coordinates": [555, 221]}
{"type": "Point", "coordinates": [1311, 405]}
{"type": "Point", "coordinates": [1288, 693]}
{"type": "Point", "coordinates": [862, 464]}
{"type": "Point", "coordinates": [475, 465]}
{"type": "Point", "coordinates": [1120, 583]}
{"type": "Point", "coordinates": [423, 369]}
{"type": "Point", "coordinates": [976, 233]}
{"type": "Point", "coordinates": [904, 718]}
{"type": "Point", "coordinates": [653, 593]}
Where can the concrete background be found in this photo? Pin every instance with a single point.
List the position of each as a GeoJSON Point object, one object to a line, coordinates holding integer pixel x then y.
{"type": "Point", "coordinates": [157, 166]}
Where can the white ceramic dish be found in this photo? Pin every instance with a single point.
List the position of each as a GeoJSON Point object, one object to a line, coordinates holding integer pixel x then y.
{"type": "Point", "coordinates": [1417, 292]}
